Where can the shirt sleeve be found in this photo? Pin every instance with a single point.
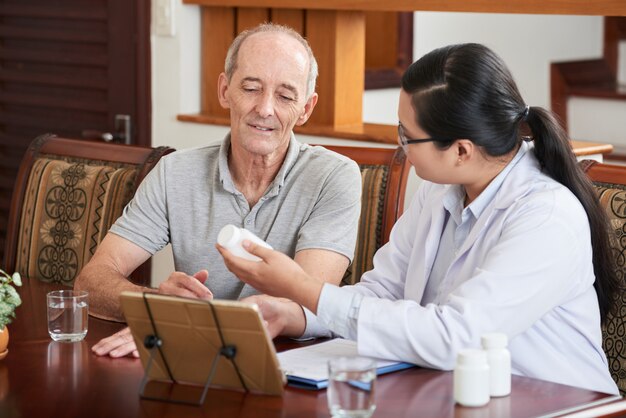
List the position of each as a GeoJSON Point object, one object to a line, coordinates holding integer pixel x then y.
{"type": "Point", "coordinates": [342, 310]}
{"type": "Point", "coordinates": [314, 327]}
{"type": "Point", "coordinates": [333, 222]}
{"type": "Point", "coordinates": [144, 220]}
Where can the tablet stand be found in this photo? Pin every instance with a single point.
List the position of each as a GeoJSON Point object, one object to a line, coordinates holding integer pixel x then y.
{"type": "Point", "coordinates": [154, 343]}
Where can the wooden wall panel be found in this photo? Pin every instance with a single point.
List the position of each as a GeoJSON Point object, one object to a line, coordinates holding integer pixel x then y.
{"type": "Point", "coordinates": [218, 32]}
{"type": "Point", "coordinates": [250, 17]}
{"type": "Point", "coordinates": [337, 41]}
{"type": "Point", "coordinates": [381, 38]}
{"type": "Point", "coordinates": [294, 18]}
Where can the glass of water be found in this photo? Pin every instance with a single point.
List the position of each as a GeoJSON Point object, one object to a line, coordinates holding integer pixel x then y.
{"type": "Point", "coordinates": [351, 387]}
{"type": "Point", "coordinates": [67, 315]}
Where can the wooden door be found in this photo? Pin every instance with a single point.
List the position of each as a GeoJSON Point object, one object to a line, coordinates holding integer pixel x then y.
{"type": "Point", "coordinates": [67, 67]}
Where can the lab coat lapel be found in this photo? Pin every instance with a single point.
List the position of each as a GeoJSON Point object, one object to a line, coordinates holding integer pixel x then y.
{"type": "Point", "coordinates": [428, 238]}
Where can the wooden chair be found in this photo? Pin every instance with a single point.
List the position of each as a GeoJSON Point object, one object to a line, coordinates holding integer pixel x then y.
{"type": "Point", "coordinates": [384, 173]}
{"type": "Point", "coordinates": [610, 184]}
{"type": "Point", "coordinates": [67, 194]}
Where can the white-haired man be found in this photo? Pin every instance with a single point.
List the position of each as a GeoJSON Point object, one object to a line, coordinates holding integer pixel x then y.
{"type": "Point", "coordinates": [302, 200]}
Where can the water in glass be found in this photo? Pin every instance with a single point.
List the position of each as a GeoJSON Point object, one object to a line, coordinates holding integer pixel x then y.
{"type": "Point", "coordinates": [67, 316]}
{"type": "Point", "coordinates": [352, 393]}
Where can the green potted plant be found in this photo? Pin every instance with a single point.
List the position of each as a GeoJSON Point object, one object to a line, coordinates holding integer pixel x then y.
{"type": "Point", "coordinates": [9, 300]}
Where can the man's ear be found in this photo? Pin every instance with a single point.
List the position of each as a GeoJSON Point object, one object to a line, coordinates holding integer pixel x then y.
{"type": "Point", "coordinates": [308, 109]}
{"type": "Point", "coordinates": [222, 91]}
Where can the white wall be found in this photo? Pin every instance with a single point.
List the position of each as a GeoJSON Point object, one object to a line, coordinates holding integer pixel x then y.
{"type": "Point", "coordinates": [598, 121]}
{"type": "Point", "coordinates": [527, 43]}
{"type": "Point", "coordinates": [621, 73]}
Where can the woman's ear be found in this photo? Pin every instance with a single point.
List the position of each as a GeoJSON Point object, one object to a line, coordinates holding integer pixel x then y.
{"type": "Point", "coordinates": [464, 149]}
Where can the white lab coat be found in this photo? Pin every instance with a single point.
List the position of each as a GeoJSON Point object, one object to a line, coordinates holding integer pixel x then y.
{"type": "Point", "coordinates": [525, 270]}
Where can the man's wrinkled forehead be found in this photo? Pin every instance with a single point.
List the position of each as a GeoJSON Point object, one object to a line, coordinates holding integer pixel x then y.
{"type": "Point", "coordinates": [273, 46]}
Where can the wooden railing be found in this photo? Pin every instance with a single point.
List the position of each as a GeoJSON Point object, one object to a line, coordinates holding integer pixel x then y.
{"type": "Point", "coordinates": [593, 78]}
{"type": "Point", "coordinates": [336, 31]}
{"type": "Point", "coordinates": [562, 7]}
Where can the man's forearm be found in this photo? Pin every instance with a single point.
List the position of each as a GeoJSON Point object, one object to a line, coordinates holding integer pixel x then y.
{"type": "Point", "coordinates": [104, 285]}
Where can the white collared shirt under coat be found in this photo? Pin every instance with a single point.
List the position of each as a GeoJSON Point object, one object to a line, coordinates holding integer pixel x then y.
{"type": "Point", "coordinates": [524, 269]}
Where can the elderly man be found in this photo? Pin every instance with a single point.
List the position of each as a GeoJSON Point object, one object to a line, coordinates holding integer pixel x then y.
{"type": "Point", "coordinates": [302, 200]}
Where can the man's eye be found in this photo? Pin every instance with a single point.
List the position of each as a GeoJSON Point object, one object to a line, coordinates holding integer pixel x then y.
{"type": "Point", "coordinates": [287, 98]}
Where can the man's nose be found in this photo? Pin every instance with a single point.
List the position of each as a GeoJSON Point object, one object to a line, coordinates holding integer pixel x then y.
{"type": "Point", "coordinates": [265, 106]}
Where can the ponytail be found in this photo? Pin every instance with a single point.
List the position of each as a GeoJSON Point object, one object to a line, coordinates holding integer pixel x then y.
{"type": "Point", "coordinates": [554, 152]}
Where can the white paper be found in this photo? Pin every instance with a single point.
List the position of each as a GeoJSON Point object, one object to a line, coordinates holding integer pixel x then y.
{"type": "Point", "coordinates": [311, 362]}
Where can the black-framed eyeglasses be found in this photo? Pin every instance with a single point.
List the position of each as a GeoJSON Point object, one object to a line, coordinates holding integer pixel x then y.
{"type": "Point", "coordinates": [405, 140]}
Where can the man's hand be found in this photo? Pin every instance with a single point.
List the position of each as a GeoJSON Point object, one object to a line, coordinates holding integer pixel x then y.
{"type": "Point", "coordinates": [121, 343]}
{"type": "Point", "coordinates": [181, 284]}
{"type": "Point", "coordinates": [117, 345]}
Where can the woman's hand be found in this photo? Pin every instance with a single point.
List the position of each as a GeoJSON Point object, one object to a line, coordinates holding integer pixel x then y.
{"type": "Point", "coordinates": [275, 275]}
{"type": "Point", "coordinates": [281, 316]}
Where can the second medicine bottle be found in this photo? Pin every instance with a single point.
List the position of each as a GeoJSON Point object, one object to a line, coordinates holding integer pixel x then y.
{"type": "Point", "coordinates": [499, 359]}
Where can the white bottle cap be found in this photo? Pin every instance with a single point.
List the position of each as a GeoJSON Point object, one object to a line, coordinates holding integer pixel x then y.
{"type": "Point", "coordinates": [471, 357]}
{"type": "Point", "coordinates": [494, 340]}
{"type": "Point", "coordinates": [228, 236]}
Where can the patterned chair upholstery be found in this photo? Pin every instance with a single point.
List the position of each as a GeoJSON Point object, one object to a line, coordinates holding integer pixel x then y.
{"type": "Point", "coordinates": [67, 195]}
{"type": "Point", "coordinates": [384, 173]}
{"type": "Point", "coordinates": [610, 184]}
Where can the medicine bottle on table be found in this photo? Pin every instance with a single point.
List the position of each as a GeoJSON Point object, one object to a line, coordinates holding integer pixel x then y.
{"type": "Point", "coordinates": [231, 237]}
{"type": "Point", "coordinates": [499, 359]}
{"type": "Point", "coordinates": [471, 378]}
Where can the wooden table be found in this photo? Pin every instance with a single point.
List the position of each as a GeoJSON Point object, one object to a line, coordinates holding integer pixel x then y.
{"type": "Point", "coordinates": [42, 378]}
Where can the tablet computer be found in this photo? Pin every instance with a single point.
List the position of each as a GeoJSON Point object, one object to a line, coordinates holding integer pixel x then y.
{"type": "Point", "coordinates": [192, 335]}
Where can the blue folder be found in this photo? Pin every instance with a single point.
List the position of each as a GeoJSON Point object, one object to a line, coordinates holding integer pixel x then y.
{"type": "Point", "coordinates": [312, 384]}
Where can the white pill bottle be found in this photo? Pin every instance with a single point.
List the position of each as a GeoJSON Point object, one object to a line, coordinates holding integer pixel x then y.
{"type": "Point", "coordinates": [471, 378]}
{"type": "Point", "coordinates": [231, 237]}
{"type": "Point", "coordinates": [499, 359]}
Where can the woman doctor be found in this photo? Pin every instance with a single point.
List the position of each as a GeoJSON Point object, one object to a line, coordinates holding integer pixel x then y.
{"type": "Point", "coordinates": [505, 234]}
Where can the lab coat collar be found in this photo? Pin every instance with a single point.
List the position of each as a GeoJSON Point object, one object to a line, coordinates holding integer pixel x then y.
{"type": "Point", "coordinates": [525, 168]}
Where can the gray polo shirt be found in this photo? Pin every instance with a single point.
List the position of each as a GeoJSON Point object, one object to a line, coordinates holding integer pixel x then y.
{"type": "Point", "coordinates": [314, 202]}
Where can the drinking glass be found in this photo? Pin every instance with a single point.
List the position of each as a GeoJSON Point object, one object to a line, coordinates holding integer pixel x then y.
{"type": "Point", "coordinates": [351, 387]}
{"type": "Point", "coordinates": [67, 315]}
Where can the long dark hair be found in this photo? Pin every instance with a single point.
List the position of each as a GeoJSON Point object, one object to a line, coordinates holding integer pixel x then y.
{"type": "Point", "coordinates": [466, 91]}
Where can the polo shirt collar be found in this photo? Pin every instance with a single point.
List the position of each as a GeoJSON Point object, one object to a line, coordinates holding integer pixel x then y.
{"type": "Point", "coordinates": [290, 159]}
